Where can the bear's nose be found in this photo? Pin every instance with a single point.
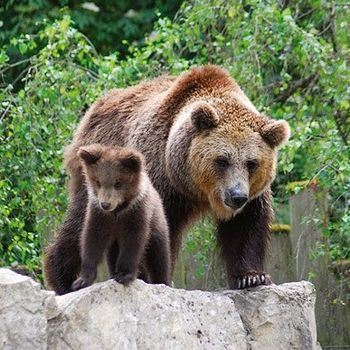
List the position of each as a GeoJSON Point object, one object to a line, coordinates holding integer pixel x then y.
{"type": "Point", "coordinates": [105, 205]}
{"type": "Point", "coordinates": [235, 199]}
{"type": "Point", "coordinates": [239, 201]}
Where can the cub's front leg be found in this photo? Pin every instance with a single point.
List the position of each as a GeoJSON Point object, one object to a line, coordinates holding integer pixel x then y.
{"type": "Point", "coordinates": [132, 244]}
{"type": "Point", "coordinates": [95, 238]}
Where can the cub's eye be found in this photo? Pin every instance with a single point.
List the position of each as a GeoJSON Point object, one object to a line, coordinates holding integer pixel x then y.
{"type": "Point", "coordinates": [252, 165]}
{"type": "Point", "coordinates": [98, 184]}
{"type": "Point", "coordinates": [222, 162]}
{"type": "Point", "coordinates": [117, 185]}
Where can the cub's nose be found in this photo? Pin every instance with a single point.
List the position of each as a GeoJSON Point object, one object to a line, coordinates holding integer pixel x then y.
{"type": "Point", "coordinates": [105, 205]}
{"type": "Point", "coordinates": [235, 199]}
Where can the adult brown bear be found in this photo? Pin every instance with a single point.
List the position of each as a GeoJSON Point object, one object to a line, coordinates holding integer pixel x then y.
{"type": "Point", "coordinates": [208, 151]}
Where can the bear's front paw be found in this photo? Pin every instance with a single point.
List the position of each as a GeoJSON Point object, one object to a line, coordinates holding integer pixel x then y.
{"type": "Point", "coordinates": [124, 277]}
{"type": "Point", "coordinates": [251, 279]}
{"type": "Point", "coordinates": [80, 283]}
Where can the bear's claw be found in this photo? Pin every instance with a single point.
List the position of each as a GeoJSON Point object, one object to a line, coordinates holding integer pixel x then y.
{"type": "Point", "coordinates": [251, 280]}
{"type": "Point", "coordinates": [79, 284]}
{"type": "Point", "coordinates": [124, 277]}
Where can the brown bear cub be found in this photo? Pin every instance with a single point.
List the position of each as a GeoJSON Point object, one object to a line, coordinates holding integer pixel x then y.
{"type": "Point", "coordinates": [124, 218]}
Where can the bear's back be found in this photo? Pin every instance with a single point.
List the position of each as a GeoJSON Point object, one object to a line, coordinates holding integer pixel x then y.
{"type": "Point", "coordinates": [115, 114]}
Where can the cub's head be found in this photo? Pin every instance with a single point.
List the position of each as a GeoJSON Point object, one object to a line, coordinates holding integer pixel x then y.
{"type": "Point", "coordinates": [113, 174]}
{"type": "Point", "coordinates": [230, 157]}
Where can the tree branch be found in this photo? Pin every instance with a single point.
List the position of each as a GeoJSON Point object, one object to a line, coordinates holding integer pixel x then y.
{"type": "Point", "coordinates": [294, 86]}
{"type": "Point", "coordinates": [332, 29]}
{"type": "Point", "coordinates": [338, 118]}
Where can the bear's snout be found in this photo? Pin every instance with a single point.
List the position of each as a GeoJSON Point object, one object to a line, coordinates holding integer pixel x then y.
{"type": "Point", "coordinates": [235, 198]}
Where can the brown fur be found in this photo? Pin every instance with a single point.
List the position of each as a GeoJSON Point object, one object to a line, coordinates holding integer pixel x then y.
{"type": "Point", "coordinates": [133, 231]}
{"type": "Point", "coordinates": [182, 126]}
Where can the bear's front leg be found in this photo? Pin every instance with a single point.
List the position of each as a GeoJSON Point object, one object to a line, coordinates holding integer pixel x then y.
{"type": "Point", "coordinates": [95, 238]}
{"type": "Point", "coordinates": [243, 241]}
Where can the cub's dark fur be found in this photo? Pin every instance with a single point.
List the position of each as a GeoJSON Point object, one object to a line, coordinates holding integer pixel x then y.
{"type": "Point", "coordinates": [124, 218]}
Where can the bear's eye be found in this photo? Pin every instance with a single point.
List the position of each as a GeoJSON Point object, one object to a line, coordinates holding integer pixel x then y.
{"type": "Point", "coordinates": [117, 185]}
{"type": "Point", "coordinates": [252, 165]}
{"type": "Point", "coordinates": [98, 184]}
{"type": "Point", "coordinates": [222, 162]}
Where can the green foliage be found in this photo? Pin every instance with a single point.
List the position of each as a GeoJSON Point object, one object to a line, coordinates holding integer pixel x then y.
{"type": "Point", "coordinates": [35, 124]}
{"type": "Point", "coordinates": [293, 62]}
{"type": "Point", "coordinates": [108, 24]}
{"type": "Point", "coordinates": [199, 243]}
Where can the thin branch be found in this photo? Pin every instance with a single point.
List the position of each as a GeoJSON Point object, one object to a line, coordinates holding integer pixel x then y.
{"type": "Point", "coordinates": [87, 70]}
{"type": "Point", "coordinates": [256, 33]}
{"type": "Point", "coordinates": [329, 25]}
{"type": "Point", "coordinates": [332, 29]}
{"type": "Point", "coordinates": [337, 118]}
{"type": "Point", "coordinates": [283, 4]}
{"type": "Point", "coordinates": [20, 75]}
{"type": "Point", "coordinates": [305, 14]}
{"type": "Point", "coordinates": [5, 112]}
{"type": "Point", "coordinates": [90, 43]}
{"type": "Point", "coordinates": [294, 86]}
{"type": "Point", "coordinates": [9, 66]}
{"type": "Point", "coordinates": [323, 168]}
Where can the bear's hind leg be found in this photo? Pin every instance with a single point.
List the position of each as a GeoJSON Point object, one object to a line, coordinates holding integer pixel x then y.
{"type": "Point", "coordinates": [62, 258]}
{"type": "Point", "coordinates": [158, 255]}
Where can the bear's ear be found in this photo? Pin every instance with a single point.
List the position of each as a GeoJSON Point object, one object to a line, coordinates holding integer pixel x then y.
{"type": "Point", "coordinates": [275, 132]}
{"type": "Point", "coordinates": [204, 116]}
{"type": "Point", "coordinates": [89, 154]}
{"type": "Point", "coordinates": [132, 161]}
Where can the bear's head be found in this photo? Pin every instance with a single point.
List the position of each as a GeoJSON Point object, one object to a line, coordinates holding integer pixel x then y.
{"type": "Point", "coordinates": [113, 175]}
{"type": "Point", "coordinates": [223, 154]}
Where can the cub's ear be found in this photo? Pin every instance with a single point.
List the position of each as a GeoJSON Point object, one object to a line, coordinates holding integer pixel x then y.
{"type": "Point", "coordinates": [275, 132]}
{"type": "Point", "coordinates": [204, 116]}
{"type": "Point", "coordinates": [132, 161]}
{"type": "Point", "coordinates": [89, 154]}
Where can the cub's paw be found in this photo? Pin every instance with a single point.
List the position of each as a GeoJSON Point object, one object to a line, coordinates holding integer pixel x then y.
{"type": "Point", "coordinates": [124, 277]}
{"type": "Point", "coordinates": [80, 283]}
{"type": "Point", "coordinates": [251, 279]}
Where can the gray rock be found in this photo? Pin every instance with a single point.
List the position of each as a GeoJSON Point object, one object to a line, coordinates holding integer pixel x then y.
{"type": "Point", "coordinates": [24, 308]}
{"type": "Point", "coordinates": [110, 316]}
{"type": "Point", "coordinates": [279, 317]}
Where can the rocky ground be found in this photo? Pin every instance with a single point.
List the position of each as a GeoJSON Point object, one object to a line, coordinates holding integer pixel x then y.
{"type": "Point", "coordinates": [111, 316]}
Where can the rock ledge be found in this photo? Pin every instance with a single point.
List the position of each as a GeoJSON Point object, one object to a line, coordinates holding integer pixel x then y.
{"type": "Point", "coordinates": [110, 316]}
